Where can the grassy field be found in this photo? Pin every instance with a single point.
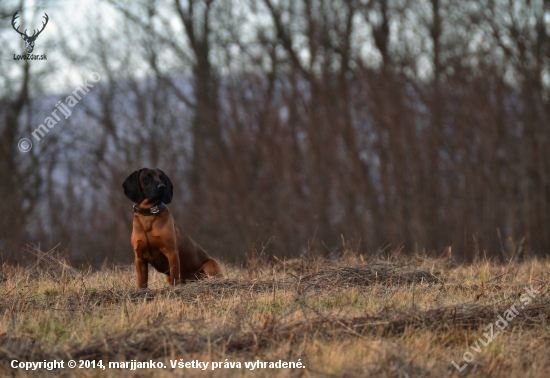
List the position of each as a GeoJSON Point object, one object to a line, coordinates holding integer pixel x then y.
{"type": "Point", "coordinates": [398, 316]}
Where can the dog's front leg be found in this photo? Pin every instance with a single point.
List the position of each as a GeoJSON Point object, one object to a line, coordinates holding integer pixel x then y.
{"type": "Point", "coordinates": [142, 272]}
{"type": "Point", "coordinates": [174, 261]}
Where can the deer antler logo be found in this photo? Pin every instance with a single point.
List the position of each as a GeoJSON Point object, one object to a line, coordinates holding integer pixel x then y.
{"type": "Point", "coordinates": [29, 40]}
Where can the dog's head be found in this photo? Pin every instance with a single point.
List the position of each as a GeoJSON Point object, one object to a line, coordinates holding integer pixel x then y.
{"type": "Point", "coordinates": [152, 184]}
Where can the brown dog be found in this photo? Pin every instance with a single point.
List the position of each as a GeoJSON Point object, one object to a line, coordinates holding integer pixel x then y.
{"type": "Point", "coordinates": [155, 238]}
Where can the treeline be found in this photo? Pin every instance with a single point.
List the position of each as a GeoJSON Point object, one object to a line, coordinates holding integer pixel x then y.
{"type": "Point", "coordinates": [298, 126]}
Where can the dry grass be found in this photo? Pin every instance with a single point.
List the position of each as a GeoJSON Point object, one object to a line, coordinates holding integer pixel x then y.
{"type": "Point", "coordinates": [351, 317]}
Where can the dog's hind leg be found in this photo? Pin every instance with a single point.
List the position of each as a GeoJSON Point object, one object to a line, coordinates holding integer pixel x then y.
{"type": "Point", "coordinates": [210, 267]}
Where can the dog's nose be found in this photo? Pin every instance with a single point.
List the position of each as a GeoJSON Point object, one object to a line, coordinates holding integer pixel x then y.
{"type": "Point", "coordinates": [161, 187]}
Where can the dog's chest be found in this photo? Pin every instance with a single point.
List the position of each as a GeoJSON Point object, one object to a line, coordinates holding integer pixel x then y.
{"type": "Point", "coordinates": [153, 255]}
{"type": "Point", "coordinates": [146, 224]}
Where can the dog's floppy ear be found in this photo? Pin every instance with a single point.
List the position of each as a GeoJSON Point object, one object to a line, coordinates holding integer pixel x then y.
{"type": "Point", "coordinates": [131, 187]}
{"type": "Point", "coordinates": [169, 189]}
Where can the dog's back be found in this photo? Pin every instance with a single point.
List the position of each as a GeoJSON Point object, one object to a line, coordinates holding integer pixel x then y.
{"type": "Point", "coordinates": [192, 254]}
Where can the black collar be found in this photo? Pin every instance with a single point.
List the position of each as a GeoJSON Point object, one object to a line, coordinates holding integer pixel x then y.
{"type": "Point", "coordinates": [152, 211]}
